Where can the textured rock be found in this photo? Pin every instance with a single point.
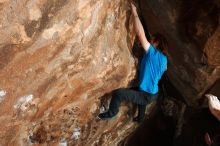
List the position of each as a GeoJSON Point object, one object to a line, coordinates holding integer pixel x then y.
{"type": "Point", "coordinates": [193, 32]}
{"type": "Point", "coordinates": [57, 58]}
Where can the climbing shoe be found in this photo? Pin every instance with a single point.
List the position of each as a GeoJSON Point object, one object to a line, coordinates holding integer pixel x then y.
{"type": "Point", "coordinates": [138, 120]}
{"type": "Point", "coordinates": [106, 116]}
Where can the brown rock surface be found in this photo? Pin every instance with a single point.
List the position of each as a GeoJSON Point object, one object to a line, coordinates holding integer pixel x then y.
{"type": "Point", "coordinates": [57, 58]}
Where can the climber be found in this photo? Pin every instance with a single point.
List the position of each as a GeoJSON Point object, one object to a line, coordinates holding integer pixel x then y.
{"type": "Point", "coordinates": [153, 65]}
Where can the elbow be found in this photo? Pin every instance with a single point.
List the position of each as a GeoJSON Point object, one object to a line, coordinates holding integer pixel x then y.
{"type": "Point", "coordinates": [137, 31]}
{"type": "Point", "coordinates": [142, 39]}
{"type": "Point", "coordinates": [139, 34]}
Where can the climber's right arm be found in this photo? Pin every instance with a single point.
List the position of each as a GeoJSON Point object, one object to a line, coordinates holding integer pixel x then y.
{"type": "Point", "coordinates": [139, 29]}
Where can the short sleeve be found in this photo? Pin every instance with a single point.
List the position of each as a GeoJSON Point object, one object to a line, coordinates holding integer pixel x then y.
{"type": "Point", "coordinates": [150, 51]}
{"type": "Point", "coordinates": [163, 60]}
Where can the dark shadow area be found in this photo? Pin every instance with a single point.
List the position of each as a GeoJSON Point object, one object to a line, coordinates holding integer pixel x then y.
{"type": "Point", "coordinates": [162, 128]}
{"type": "Point", "coordinates": [158, 130]}
{"type": "Point", "coordinates": [198, 122]}
{"type": "Point", "coordinates": [167, 89]}
{"type": "Point", "coordinates": [197, 21]}
{"type": "Point", "coordinates": [214, 89]}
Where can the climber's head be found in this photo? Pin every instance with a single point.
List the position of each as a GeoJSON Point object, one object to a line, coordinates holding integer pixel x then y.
{"type": "Point", "coordinates": [159, 42]}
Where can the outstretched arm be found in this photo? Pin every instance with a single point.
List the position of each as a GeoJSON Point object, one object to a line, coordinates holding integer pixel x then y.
{"type": "Point", "coordinates": [214, 105]}
{"type": "Point", "coordinates": [139, 29]}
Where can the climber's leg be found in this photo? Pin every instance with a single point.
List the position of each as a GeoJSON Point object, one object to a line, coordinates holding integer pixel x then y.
{"type": "Point", "coordinates": [119, 95]}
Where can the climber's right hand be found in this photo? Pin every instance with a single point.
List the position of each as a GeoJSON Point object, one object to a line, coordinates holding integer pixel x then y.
{"type": "Point", "coordinates": [134, 9]}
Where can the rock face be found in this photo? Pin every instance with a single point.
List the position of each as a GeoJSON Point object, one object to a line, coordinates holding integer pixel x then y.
{"type": "Point", "coordinates": [193, 32]}
{"type": "Point", "coordinates": [61, 59]}
{"type": "Point", "coordinates": [57, 59]}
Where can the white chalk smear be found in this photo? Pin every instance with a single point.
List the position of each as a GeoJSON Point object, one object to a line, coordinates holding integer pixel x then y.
{"type": "Point", "coordinates": [63, 142]}
{"type": "Point", "coordinates": [23, 101]}
{"type": "Point", "coordinates": [76, 133]}
{"type": "Point", "coordinates": [2, 95]}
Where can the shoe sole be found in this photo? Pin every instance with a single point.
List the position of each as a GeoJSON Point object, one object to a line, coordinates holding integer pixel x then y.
{"type": "Point", "coordinates": [112, 118]}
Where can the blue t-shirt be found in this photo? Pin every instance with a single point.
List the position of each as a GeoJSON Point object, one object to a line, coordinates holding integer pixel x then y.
{"type": "Point", "coordinates": [152, 67]}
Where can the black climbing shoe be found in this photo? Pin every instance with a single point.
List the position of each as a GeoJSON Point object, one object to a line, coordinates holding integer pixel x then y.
{"type": "Point", "coordinates": [106, 116]}
{"type": "Point", "coordinates": [138, 120]}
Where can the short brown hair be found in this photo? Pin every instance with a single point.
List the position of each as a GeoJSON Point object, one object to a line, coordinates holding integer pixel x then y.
{"type": "Point", "coordinates": [162, 42]}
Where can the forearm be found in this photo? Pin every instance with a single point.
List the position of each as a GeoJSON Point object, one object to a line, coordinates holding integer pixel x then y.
{"type": "Point", "coordinates": [137, 24]}
{"type": "Point", "coordinates": [138, 27]}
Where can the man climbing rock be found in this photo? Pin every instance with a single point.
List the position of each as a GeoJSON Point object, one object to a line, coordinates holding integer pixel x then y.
{"type": "Point", "coordinates": [153, 65]}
